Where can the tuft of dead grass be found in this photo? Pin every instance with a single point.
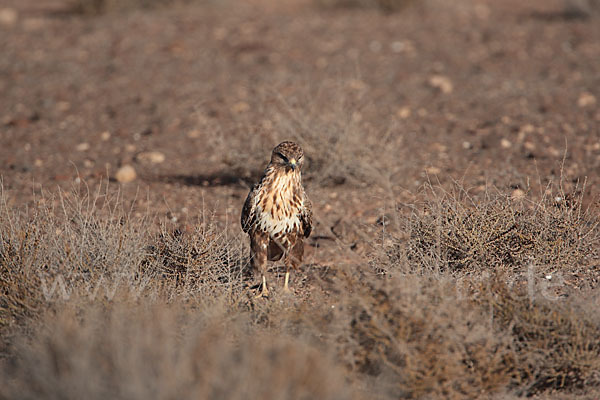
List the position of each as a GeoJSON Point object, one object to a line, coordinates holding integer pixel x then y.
{"type": "Point", "coordinates": [207, 262]}
{"type": "Point", "coordinates": [556, 343]}
{"type": "Point", "coordinates": [417, 337]}
{"type": "Point", "coordinates": [459, 233]}
{"type": "Point", "coordinates": [165, 351]}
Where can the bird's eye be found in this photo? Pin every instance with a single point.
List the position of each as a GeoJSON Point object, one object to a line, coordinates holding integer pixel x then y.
{"type": "Point", "coordinates": [284, 158]}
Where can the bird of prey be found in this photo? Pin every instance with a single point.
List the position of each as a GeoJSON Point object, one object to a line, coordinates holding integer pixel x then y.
{"type": "Point", "coordinates": [277, 214]}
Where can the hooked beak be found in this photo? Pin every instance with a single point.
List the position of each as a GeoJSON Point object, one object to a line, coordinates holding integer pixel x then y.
{"type": "Point", "coordinates": [293, 164]}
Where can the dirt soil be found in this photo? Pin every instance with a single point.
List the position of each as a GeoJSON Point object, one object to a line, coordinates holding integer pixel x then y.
{"type": "Point", "coordinates": [487, 93]}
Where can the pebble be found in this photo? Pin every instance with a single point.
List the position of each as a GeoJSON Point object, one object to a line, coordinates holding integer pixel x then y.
{"type": "Point", "coordinates": [125, 174]}
{"type": "Point", "coordinates": [404, 112]}
{"type": "Point", "coordinates": [105, 135]}
{"type": "Point", "coordinates": [151, 157]}
{"type": "Point", "coordinates": [83, 146]}
{"type": "Point", "coordinates": [8, 16]}
{"type": "Point", "coordinates": [505, 143]}
{"type": "Point", "coordinates": [443, 83]}
{"type": "Point", "coordinates": [586, 100]}
{"type": "Point", "coordinates": [193, 134]}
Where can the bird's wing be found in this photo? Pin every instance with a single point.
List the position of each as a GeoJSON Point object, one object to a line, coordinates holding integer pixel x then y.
{"type": "Point", "coordinates": [306, 216]}
{"type": "Point", "coordinates": [249, 210]}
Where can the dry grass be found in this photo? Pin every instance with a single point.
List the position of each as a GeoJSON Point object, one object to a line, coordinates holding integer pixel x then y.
{"type": "Point", "coordinates": [418, 338]}
{"type": "Point", "coordinates": [555, 343]}
{"type": "Point", "coordinates": [337, 139]}
{"type": "Point", "coordinates": [459, 233]}
{"type": "Point", "coordinates": [160, 351]}
{"type": "Point", "coordinates": [169, 314]}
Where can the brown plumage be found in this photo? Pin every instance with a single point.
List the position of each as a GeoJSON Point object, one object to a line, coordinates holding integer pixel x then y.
{"type": "Point", "coordinates": [277, 214]}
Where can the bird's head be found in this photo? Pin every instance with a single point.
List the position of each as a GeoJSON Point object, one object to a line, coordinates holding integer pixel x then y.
{"type": "Point", "coordinates": [288, 155]}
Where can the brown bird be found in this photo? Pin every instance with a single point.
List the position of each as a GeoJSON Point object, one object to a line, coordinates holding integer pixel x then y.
{"type": "Point", "coordinates": [277, 214]}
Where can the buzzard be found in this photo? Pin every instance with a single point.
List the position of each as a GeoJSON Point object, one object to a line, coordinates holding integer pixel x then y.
{"type": "Point", "coordinates": [277, 214]}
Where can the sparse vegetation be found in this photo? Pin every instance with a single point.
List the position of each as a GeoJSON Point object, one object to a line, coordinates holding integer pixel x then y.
{"type": "Point", "coordinates": [91, 295]}
{"type": "Point", "coordinates": [414, 286]}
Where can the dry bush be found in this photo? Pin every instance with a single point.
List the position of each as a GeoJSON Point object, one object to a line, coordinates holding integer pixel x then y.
{"type": "Point", "coordinates": [556, 343]}
{"type": "Point", "coordinates": [158, 351]}
{"type": "Point", "coordinates": [340, 145]}
{"type": "Point", "coordinates": [83, 246]}
{"type": "Point", "coordinates": [75, 244]}
{"type": "Point", "coordinates": [418, 338]}
{"type": "Point", "coordinates": [456, 232]}
{"type": "Point", "coordinates": [205, 262]}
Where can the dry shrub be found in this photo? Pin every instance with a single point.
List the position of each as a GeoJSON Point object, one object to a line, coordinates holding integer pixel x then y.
{"type": "Point", "coordinates": [557, 343]}
{"type": "Point", "coordinates": [75, 244]}
{"type": "Point", "coordinates": [340, 145]}
{"type": "Point", "coordinates": [87, 246]}
{"type": "Point", "coordinates": [158, 351]}
{"type": "Point", "coordinates": [418, 338]}
{"type": "Point", "coordinates": [208, 261]}
{"type": "Point", "coordinates": [457, 232]}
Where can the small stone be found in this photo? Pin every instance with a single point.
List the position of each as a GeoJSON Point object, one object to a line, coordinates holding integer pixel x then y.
{"type": "Point", "coordinates": [586, 99]}
{"type": "Point", "coordinates": [83, 146]}
{"type": "Point", "coordinates": [105, 135]}
{"type": "Point", "coordinates": [442, 83]}
{"type": "Point", "coordinates": [527, 128]}
{"type": "Point", "coordinates": [505, 143]}
{"type": "Point", "coordinates": [125, 174]}
{"type": "Point", "coordinates": [467, 145]}
{"type": "Point", "coordinates": [38, 162]}
{"type": "Point", "coordinates": [151, 157]}
{"type": "Point", "coordinates": [529, 146]}
{"type": "Point", "coordinates": [404, 112]}
{"type": "Point", "coordinates": [193, 134]}
{"type": "Point", "coordinates": [240, 107]}
{"type": "Point", "coordinates": [357, 84]}
{"type": "Point", "coordinates": [8, 16]}
{"type": "Point", "coordinates": [130, 148]}
{"type": "Point", "coordinates": [517, 194]}
{"type": "Point", "coordinates": [433, 170]}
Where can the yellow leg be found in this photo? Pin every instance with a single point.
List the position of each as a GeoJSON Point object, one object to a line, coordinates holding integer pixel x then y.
{"type": "Point", "coordinates": [264, 292]}
{"type": "Point", "coordinates": [286, 287]}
